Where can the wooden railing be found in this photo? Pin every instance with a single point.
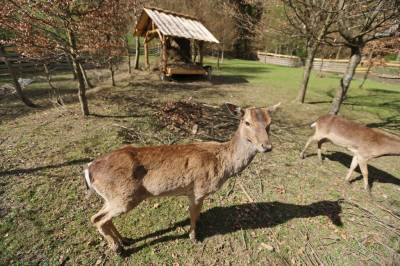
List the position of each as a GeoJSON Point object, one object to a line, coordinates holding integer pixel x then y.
{"type": "Point", "coordinates": [320, 64]}
{"type": "Point", "coordinates": [26, 65]}
{"type": "Point", "coordinates": [279, 59]}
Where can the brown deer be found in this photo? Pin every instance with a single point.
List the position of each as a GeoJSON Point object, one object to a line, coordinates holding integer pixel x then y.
{"type": "Point", "coordinates": [126, 177]}
{"type": "Point", "coordinates": [365, 143]}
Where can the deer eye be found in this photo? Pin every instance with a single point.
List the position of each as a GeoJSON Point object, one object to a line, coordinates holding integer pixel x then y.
{"type": "Point", "coordinates": [247, 123]}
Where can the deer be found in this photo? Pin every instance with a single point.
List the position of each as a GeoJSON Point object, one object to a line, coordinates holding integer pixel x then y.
{"type": "Point", "coordinates": [127, 176]}
{"type": "Point", "coordinates": [363, 142]}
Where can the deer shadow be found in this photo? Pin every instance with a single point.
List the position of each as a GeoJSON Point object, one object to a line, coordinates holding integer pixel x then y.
{"type": "Point", "coordinates": [20, 171]}
{"type": "Point", "coordinates": [225, 220]}
{"type": "Point", "coordinates": [375, 174]}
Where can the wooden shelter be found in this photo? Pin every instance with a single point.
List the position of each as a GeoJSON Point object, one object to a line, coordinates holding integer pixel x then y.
{"type": "Point", "coordinates": [177, 34]}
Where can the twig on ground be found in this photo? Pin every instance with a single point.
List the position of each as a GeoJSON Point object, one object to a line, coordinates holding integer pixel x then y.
{"type": "Point", "coordinates": [245, 192]}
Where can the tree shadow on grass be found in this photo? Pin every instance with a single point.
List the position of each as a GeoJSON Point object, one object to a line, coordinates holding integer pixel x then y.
{"type": "Point", "coordinates": [391, 122]}
{"type": "Point", "coordinates": [375, 174]}
{"type": "Point", "coordinates": [215, 80]}
{"type": "Point", "coordinates": [225, 220]}
{"type": "Point", "coordinates": [225, 79]}
{"type": "Point", "coordinates": [20, 171]}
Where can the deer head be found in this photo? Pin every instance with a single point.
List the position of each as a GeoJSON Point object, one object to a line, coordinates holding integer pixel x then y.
{"type": "Point", "coordinates": [254, 125]}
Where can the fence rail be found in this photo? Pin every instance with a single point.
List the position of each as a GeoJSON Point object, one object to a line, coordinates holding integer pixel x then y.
{"type": "Point", "coordinates": [26, 65]}
{"type": "Point", "coordinates": [279, 59]}
{"type": "Point", "coordinates": [321, 64]}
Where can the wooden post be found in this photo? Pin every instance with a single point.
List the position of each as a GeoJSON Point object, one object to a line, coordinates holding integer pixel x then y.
{"type": "Point", "coordinates": [137, 53]}
{"type": "Point", "coordinates": [164, 54]}
{"type": "Point", "coordinates": [218, 56]}
{"type": "Point", "coordinates": [146, 53]}
{"type": "Point", "coordinates": [201, 45]}
{"type": "Point", "coordinates": [194, 46]}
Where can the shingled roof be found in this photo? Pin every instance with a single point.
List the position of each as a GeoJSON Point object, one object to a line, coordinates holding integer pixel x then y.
{"type": "Point", "coordinates": [173, 24]}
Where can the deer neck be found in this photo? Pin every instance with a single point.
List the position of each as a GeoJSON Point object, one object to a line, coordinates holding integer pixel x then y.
{"type": "Point", "coordinates": [238, 155]}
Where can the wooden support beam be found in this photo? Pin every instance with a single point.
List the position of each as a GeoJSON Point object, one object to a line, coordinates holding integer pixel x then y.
{"type": "Point", "coordinates": [146, 52]}
{"type": "Point", "coordinates": [201, 46]}
{"type": "Point", "coordinates": [164, 54]}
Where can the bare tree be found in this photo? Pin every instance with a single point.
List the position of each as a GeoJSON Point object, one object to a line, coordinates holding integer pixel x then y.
{"type": "Point", "coordinates": [311, 21]}
{"type": "Point", "coordinates": [358, 23]}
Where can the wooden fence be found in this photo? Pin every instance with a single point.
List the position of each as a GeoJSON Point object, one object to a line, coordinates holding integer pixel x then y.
{"type": "Point", "coordinates": [279, 59]}
{"type": "Point", "coordinates": [26, 65]}
{"type": "Point", "coordinates": [335, 65]}
{"type": "Point", "coordinates": [326, 65]}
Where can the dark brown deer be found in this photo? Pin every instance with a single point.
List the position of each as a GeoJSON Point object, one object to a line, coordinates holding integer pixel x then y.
{"type": "Point", "coordinates": [365, 143]}
{"type": "Point", "coordinates": [126, 177]}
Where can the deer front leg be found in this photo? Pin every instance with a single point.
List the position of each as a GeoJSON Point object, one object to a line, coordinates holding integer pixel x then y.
{"type": "Point", "coordinates": [320, 142]}
{"type": "Point", "coordinates": [195, 206]}
{"type": "Point", "coordinates": [364, 171]}
{"type": "Point", "coordinates": [353, 166]}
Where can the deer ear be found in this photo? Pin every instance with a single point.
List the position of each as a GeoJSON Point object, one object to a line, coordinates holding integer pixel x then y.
{"type": "Point", "coordinates": [234, 109]}
{"type": "Point", "coordinates": [273, 108]}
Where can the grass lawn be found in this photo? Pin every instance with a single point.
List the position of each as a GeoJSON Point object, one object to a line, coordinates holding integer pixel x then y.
{"type": "Point", "coordinates": [280, 210]}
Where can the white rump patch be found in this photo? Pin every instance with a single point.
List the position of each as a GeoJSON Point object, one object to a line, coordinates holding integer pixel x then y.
{"type": "Point", "coordinates": [87, 175]}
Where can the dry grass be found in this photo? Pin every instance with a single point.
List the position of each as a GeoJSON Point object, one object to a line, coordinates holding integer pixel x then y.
{"type": "Point", "coordinates": [280, 210]}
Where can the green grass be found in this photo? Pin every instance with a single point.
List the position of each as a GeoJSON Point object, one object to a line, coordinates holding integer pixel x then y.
{"type": "Point", "coordinates": [376, 97]}
{"type": "Point", "coordinates": [44, 214]}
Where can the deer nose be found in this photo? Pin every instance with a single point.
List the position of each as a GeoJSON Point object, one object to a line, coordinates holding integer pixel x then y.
{"type": "Point", "coordinates": [266, 147]}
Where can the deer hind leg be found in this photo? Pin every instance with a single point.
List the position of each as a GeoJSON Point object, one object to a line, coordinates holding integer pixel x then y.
{"type": "Point", "coordinates": [125, 241]}
{"type": "Point", "coordinates": [309, 141]}
{"type": "Point", "coordinates": [353, 166]}
{"type": "Point", "coordinates": [195, 206]}
{"type": "Point", "coordinates": [117, 235]}
{"type": "Point", "coordinates": [319, 153]}
{"type": "Point", "coordinates": [103, 222]}
{"type": "Point", "coordinates": [364, 171]}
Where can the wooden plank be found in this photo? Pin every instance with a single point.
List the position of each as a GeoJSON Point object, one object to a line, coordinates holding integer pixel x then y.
{"type": "Point", "coordinates": [164, 53]}
{"type": "Point", "coordinates": [146, 52]}
{"type": "Point", "coordinates": [185, 71]}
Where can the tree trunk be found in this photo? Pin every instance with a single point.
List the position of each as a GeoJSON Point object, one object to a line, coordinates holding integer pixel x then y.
{"type": "Point", "coordinates": [368, 69]}
{"type": "Point", "coordinates": [129, 63]}
{"type": "Point", "coordinates": [78, 70]}
{"type": "Point", "coordinates": [82, 87]}
{"type": "Point", "coordinates": [137, 53]}
{"type": "Point", "coordinates": [311, 51]}
{"type": "Point", "coordinates": [111, 67]}
{"type": "Point", "coordinates": [348, 75]}
{"type": "Point", "coordinates": [338, 52]}
{"type": "Point", "coordinates": [72, 67]}
{"type": "Point", "coordinates": [85, 77]}
{"type": "Point", "coordinates": [54, 91]}
{"type": "Point", "coordinates": [14, 77]}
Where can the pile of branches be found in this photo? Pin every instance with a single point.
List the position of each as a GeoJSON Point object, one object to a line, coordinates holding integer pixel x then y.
{"type": "Point", "coordinates": [181, 116]}
{"type": "Point", "coordinates": [207, 122]}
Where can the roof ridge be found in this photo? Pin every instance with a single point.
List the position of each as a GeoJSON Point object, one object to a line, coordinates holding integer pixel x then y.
{"type": "Point", "coordinates": [173, 13]}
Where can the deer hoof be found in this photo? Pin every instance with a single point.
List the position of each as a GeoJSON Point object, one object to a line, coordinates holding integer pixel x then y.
{"type": "Point", "coordinates": [302, 156]}
{"type": "Point", "coordinates": [192, 236]}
